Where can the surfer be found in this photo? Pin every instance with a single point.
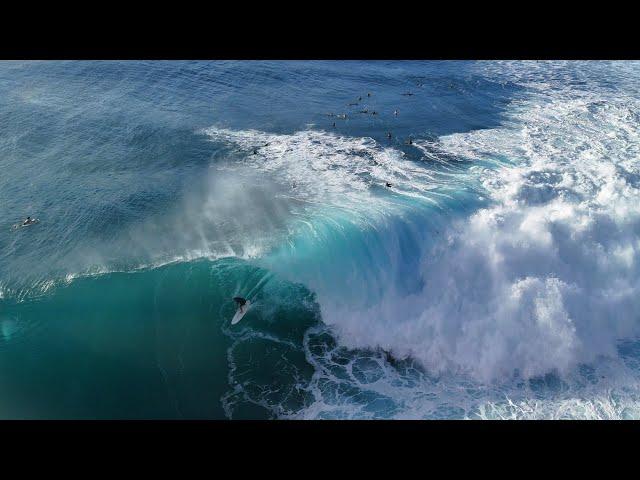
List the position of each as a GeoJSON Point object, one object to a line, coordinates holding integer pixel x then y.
{"type": "Point", "coordinates": [28, 221]}
{"type": "Point", "coordinates": [241, 302]}
{"type": "Point", "coordinates": [395, 112]}
{"type": "Point", "coordinates": [389, 135]}
{"type": "Point", "coordinates": [388, 185]}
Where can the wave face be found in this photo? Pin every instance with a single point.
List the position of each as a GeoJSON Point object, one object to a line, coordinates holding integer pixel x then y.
{"type": "Point", "coordinates": [497, 277]}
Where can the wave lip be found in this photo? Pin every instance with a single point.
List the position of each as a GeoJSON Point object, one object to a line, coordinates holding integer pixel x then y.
{"type": "Point", "coordinates": [542, 278]}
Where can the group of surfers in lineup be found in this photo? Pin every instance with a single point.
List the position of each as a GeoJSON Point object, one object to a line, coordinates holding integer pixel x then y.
{"type": "Point", "coordinates": [343, 116]}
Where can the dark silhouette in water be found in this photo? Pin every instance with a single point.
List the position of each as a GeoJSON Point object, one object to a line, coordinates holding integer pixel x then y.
{"type": "Point", "coordinates": [241, 302]}
{"type": "Point", "coordinates": [388, 134]}
{"type": "Point", "coordinates": [391, 360]}
{"type": "Point", "coordinates": [388, 185]}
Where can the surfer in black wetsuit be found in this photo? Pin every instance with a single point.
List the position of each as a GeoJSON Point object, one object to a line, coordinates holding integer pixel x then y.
{"type": "Point", "coordinates": [241, 302]}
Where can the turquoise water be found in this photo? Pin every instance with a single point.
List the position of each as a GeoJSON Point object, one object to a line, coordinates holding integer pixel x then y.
{"type": "Point", "coordinates": [496, 278]}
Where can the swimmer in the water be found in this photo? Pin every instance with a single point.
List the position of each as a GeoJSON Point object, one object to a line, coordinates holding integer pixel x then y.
{"type": "Point", "coordinates": [395, 112]}
{"type": "Point", "coordinates": [388, 185]}
{"type": "Point", "coordinates": [388, 134]}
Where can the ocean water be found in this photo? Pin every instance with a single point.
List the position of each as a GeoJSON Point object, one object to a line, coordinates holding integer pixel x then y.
{"type": "Point", "coordinates": [498, 277]}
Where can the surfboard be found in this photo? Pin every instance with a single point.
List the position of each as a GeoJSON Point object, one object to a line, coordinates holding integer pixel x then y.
{"type": "Point", "coordinates": [240, 313]}
{"type": "Point", "coordinates": [20, 225]}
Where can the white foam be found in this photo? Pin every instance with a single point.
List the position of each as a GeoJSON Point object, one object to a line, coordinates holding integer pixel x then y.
{"type": "Point", "coordinates": [331, 170]}
{"type": "Point", "coordinates": [549, 275]}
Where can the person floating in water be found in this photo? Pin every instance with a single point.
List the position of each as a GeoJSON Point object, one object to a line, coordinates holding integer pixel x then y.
{"type": "Point", "coordinates": [241, 302]}
{"type": "Point", "coordinates": [368, 94]}
{"type": "Point", "coordinates": [334, 124]}
{"type": "Point", "coordinates": [395, 112]}
{"type": "Point", "coordinates": [388, 134]}
{"type": "Point", "coordinates": [28, 221]}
